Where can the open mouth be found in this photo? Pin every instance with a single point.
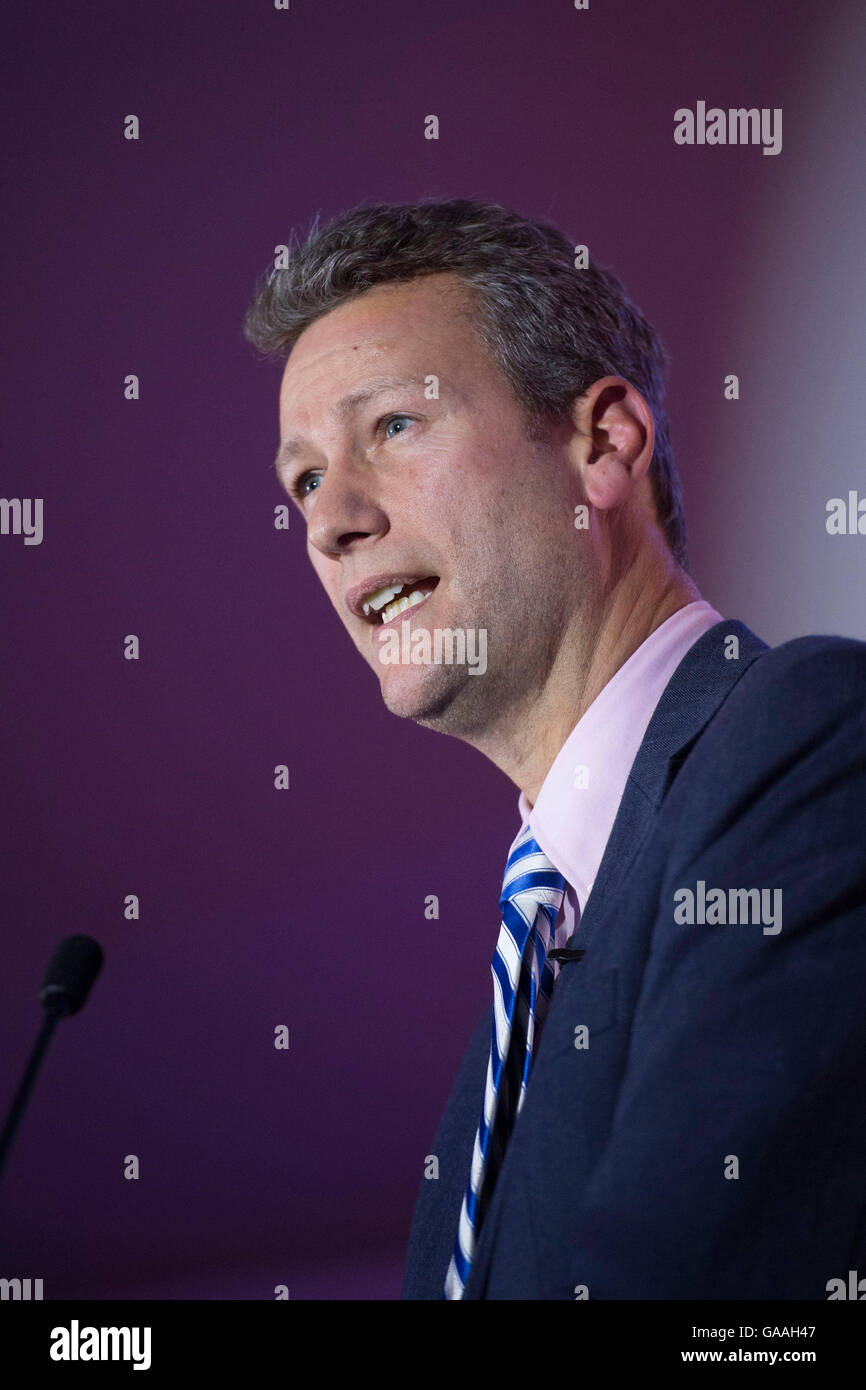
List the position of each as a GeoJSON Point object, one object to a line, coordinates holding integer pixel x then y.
{"type": "Point", "coordinates": [386, 604]}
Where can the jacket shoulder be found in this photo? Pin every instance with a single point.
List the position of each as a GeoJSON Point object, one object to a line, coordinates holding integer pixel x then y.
{"type": "Point", "coordinates": [789, 739]}
{"type": "Point", "coordinates": [808, 683]}
{"type": "Point", "coordinates": [813, 657]}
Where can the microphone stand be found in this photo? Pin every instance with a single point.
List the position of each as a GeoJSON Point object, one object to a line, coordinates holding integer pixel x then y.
{"type": "Point", "coordinates": [22, 1095]}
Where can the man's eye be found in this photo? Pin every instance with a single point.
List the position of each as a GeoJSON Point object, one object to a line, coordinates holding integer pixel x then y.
{"type": "Point", "coordinates": [303, 485]}
{"type": "Point", "coordinates": [300, 488]}
{"type": "Point", "coordinates": [387, 420]}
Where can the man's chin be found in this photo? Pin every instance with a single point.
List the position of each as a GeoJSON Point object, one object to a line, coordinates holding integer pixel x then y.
{"type": "Point", "coordinates": [426, 695]}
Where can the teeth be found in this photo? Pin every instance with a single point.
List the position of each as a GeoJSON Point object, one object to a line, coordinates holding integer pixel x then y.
{"type": "Point", "coordinates": [408, 601]}
{"type": "Point", "coordinates": [380, 597]}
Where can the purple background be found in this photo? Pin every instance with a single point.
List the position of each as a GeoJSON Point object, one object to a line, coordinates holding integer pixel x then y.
{"type": "Point", "coordinates": [155, 777]}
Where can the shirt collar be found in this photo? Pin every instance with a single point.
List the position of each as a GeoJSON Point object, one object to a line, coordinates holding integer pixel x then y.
{"type": "Point", "coordinates": [577, 804]}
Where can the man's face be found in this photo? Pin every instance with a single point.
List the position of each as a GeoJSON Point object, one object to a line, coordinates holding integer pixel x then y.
{"type": "Point", "coordinates": [445, 494]}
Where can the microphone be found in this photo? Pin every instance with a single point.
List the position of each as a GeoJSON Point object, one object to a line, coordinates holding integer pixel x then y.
{"type": "Point", "coordinates": [564, 955]}
{"type": "Point", "coordinates": [74, 966]}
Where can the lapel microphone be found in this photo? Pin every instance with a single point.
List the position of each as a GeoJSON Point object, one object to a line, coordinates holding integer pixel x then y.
{"type": "Point", "coordinates": [565, 956]}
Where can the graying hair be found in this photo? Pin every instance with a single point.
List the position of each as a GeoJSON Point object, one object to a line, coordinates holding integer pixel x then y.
{"type": "Point", "coordinates": [552, 329]}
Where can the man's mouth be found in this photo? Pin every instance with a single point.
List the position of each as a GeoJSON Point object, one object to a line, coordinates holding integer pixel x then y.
{"type": "Point", "coordinates": [386, 603]}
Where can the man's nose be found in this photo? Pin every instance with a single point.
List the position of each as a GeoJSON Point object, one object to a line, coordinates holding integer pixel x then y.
{"type": "Point", "coordinates": [344, 510]}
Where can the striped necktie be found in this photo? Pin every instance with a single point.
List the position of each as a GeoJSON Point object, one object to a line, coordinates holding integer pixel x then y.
{"type": "Point", "coordinates": [523, 978]}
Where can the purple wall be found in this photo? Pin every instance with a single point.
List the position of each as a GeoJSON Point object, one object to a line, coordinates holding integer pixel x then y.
{"type": "Point", "coordinates": [155, 777]}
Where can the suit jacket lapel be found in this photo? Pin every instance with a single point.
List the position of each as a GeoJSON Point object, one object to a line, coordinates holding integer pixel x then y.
{"type": "Point", "coordinates": [698, 687]}
{"type": "Point", "coordinates": [695, 692]}
{"type": "Point", "coordinates": [437, 1210]}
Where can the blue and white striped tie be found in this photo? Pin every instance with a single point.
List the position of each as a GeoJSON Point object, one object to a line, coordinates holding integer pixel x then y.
{"type": "Point", "coordinates": [523, 978]}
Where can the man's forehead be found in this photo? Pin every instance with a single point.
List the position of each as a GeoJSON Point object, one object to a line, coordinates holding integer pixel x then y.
{"type": "Point", "coordinates": [422, 313]}
{"type": "Point", "coordinates": [376, 342]}
{"type": "Point", "coordinates": [340, 380]}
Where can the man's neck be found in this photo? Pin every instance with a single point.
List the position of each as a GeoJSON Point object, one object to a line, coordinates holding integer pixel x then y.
{"type": "Point", "coordinates": [586, 661]}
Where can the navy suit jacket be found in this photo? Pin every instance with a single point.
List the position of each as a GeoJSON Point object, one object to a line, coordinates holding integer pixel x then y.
{"type": "Point", "coordinates": [710, 1141]}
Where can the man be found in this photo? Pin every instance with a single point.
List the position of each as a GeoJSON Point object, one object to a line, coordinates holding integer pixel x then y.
{"type": "Point", "coordinates": [665, 1097]}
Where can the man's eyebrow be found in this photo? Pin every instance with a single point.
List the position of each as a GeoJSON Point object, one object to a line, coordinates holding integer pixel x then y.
{"type": "Point", "coordinates": [290, 448]}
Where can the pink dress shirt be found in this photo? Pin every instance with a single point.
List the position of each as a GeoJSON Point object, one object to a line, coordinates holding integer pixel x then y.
{"type": "Point", "coordinates": [579, 798]}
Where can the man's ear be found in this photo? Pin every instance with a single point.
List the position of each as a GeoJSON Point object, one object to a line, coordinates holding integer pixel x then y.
{"type": "Point", "coordinates": [614, 440]}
